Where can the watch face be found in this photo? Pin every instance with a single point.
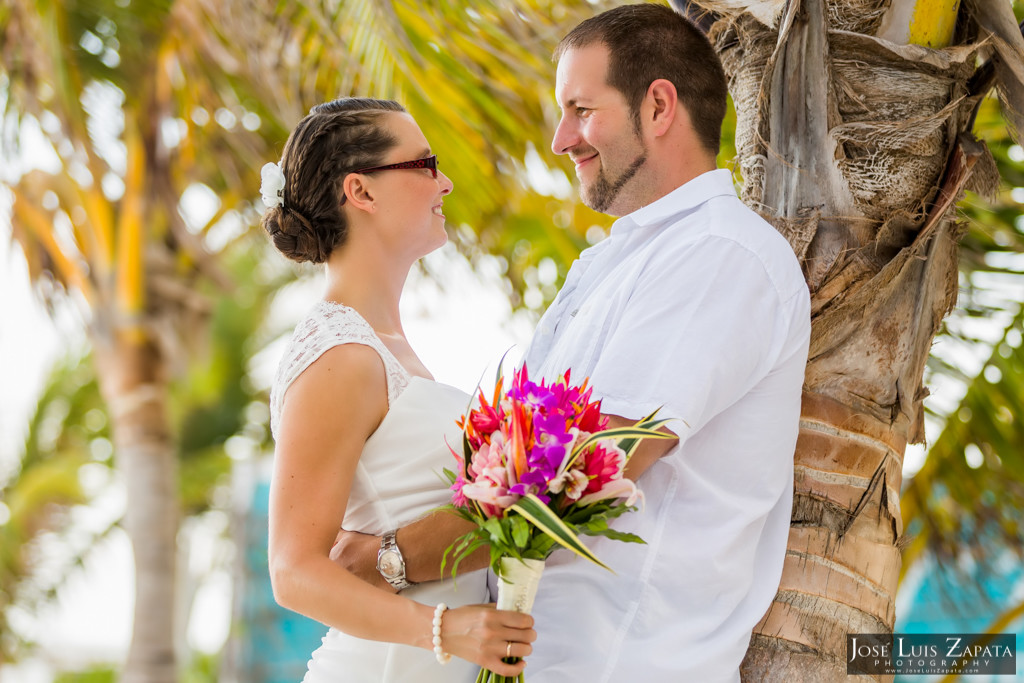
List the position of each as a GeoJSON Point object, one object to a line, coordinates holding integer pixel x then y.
{"type": "Point", "coordinates": [390, 564]}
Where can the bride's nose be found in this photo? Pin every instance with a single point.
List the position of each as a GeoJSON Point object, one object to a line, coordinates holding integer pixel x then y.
{"type": "Point", "coordinates": [445, 182]}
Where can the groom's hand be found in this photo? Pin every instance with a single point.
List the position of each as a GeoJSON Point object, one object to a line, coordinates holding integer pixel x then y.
{"type": "Point", "coordinates": [357, 553]}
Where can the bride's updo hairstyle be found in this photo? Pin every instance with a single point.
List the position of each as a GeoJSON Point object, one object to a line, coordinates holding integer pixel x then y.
{"type": "Point", "coordinates": [335, 139]}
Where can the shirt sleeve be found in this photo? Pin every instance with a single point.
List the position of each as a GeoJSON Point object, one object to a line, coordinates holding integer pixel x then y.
{"type": "Point", "coordinates": [703, 324]}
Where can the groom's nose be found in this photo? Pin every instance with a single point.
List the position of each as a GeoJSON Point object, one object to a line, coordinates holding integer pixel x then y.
{"type": "Point", "coordinates": [566, 135]}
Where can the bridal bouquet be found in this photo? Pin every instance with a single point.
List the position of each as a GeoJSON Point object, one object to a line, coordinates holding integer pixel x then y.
{"type": "Point", "coordinates": [539, 466]}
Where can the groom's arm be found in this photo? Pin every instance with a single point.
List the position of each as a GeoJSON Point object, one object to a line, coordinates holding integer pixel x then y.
{"type": "Point", "coordinates": [424, 541]}
{"type": "Point", "coordinates": [422, 544]}
{"type": "Point", "coordinates": [649, 450]}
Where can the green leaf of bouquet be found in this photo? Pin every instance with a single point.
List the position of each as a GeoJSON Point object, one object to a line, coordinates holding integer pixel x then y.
{"type": "Point", "coordinates": [650, 432]}
{"type": "Point", "coordinates": [596, 523]}
{"type": "Point", "coordinates": [501, 364]}
{"type": "Point", "coordinates": [467, 454]}
{"type": "Point", "coordinates": [462, 547]}
{"type": "Point", "coordinates": [494, 527]}
{"type": "Point", "coordinates": [580, 515]}
{"type": "Point", "coordinates": [629, 444]}
{"type": "Point", "coordinates": [520, 531]}
{"type": "Point", "coordinates": [650, 417]}
{"type": "Point", "coordinates": [497, 553]}
{"type": "Point", "coordinates": [611, 533]}
{"type": "Point", "coordinates": [540, 548]}
{"type": "Point", "coordinates": [614, 511]}
{"type": "Point", "coordinates": [533, 508]}
{"type": "Point", "coordinates": [622, 434]}
{"type": "Point", "coordinates": [656, 424]}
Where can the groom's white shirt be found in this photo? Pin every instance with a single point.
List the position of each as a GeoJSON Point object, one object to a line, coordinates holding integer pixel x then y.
{"type": "Point", "coordinates": [696, 305]}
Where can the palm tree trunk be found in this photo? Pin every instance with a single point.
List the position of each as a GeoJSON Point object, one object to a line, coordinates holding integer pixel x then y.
{"type": "Point", "coordinates": [133, 380]}
{"type": "Point", "coordinates": [859, 175]}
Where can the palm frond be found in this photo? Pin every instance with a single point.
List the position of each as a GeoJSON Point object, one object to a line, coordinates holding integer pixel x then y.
{"type": "Point", "coordinates": [68, 430]}
{"type": "Point", "coordinates": [967, 496]}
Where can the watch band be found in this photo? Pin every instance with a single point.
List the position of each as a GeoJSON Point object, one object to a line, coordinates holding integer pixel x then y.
{"type": "Point", "coordinates": [389, 544]}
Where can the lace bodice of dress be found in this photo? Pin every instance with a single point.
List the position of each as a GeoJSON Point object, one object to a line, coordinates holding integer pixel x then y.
{"type": "Point", "coordinates": [327, 325]}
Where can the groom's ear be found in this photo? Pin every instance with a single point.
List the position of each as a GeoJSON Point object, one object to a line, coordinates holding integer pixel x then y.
{"type": "Point", "coordinates": [358, 192]}
{"type": "Point", "coordinates": [662, 105]}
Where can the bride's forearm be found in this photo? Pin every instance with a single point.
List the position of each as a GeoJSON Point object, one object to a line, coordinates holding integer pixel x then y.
{"type": "Point", "coordinates": [340, 600]}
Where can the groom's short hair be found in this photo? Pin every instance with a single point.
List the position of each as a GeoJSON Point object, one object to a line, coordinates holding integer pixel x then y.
{"type": "Point", "coordinates": [647, 42]}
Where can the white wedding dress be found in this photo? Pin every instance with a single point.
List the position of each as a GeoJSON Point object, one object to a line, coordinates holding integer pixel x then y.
{"type": "Point", "coordinates": [398, 480]}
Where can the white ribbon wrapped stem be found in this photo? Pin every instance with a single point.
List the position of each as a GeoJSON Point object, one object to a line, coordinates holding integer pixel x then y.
{"type": "Point", "coordinates": [517, 584]}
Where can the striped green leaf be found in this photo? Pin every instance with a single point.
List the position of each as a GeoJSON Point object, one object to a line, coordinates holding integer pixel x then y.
{"type": "Point", "coordinates": [534, 510]}
{"type": "Point", "coordinates": [635, 433]}
{"type": "Point", "coordinates": [630, 443]}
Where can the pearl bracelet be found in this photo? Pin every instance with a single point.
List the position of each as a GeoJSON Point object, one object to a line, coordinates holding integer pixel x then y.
{"type": "Point", "coordinates": [442, 656]}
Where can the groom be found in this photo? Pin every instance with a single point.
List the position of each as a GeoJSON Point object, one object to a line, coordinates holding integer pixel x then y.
{"type": "Point", "coordinates": [695, 305]}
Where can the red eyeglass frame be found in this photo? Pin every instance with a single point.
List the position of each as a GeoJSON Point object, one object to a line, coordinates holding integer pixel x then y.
{"type": "Point", "coordinates": [426, 162]}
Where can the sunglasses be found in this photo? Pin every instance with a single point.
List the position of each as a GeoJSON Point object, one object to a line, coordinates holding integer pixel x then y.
{"type": "Point", "coordinates": [427, 162]}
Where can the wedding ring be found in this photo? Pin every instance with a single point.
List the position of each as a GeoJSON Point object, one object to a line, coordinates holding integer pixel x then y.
{"type": "Point", "coordinates": [508, 649]}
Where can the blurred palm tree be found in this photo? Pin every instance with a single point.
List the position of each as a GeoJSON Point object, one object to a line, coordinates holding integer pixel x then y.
{"type": "Point", "coordinates": [962, 507]}
{"type": "Point", "coordinates": [477, 76]}
{"type": "Point", "coordinates": [962, 500]}
{"type": "Point", "coordinates": [68, 426]}
{"type": "Point", "coordinates": [68, 442]}
{"type": "Point", "coordinates": [125, 96]}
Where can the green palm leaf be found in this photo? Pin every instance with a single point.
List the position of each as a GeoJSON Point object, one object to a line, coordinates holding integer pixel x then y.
{"type": "Point", "coordinates": [968, 494]}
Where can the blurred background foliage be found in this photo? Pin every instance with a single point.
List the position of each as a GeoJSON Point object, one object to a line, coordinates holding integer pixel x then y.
{"type": "Point", "coordinates": [209, 92]}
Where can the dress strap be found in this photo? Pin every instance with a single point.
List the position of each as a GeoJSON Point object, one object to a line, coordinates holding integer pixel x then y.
{"type": "Point", "coordinates": [328, 325]}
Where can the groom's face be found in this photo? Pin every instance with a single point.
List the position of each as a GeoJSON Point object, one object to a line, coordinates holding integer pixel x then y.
{"type": "Point", "coordinates": [597, 131]}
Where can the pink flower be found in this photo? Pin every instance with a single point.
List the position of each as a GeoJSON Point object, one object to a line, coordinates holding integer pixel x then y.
{"type": "Point", "coordinates": [490, 478]}
{"type": "Point", "coordinates": [485, 419]}
{"type": "Point", "coordinates": [488, 456]}
{"type": "Point", "coordinates": [521, 443]}
{"type": "Point", "coordinates": [491, 492]}
{"type": "Point", "coordinates": [618, 488]}
{"type": "Point", "coordinates": [591, 420]}
{"type": "Point", "coordinates": [603, 464]}
{"type": "Point", "coordinates": [458, 497]}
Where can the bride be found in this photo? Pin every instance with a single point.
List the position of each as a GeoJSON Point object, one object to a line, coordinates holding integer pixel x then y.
{"type": "Point", "coordinates": [360, 425]}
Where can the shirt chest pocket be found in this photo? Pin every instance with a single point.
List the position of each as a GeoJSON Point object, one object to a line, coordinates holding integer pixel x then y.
{"type": "Point", "coordinates": [589, 328]}
{"type": "Point", "coordinates": [592, 316]}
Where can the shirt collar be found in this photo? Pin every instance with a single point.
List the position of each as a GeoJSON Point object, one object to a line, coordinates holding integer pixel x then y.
{"type": "Point", "coordinates": [687, 196]}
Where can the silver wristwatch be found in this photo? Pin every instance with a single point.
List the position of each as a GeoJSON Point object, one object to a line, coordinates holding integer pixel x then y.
{"type": "Point", "coordinates": [390, 562]}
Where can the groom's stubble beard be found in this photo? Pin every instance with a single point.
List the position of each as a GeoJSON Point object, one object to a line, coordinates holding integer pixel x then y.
{"type": "Point", "coordinates": [600, 194]}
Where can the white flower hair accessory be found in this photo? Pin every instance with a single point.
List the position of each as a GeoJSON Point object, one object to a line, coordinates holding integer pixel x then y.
{"type": "Point", "coordinates": [272, 187]}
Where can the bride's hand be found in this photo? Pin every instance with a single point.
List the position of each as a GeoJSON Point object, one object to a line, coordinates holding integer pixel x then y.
{"type": "Point", "coordinates": [484, 635]}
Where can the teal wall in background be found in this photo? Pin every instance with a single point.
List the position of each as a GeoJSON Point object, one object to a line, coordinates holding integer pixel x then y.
{"type": "Point", "coordinates": [272, 644]}
{"type": "Point", "coordinates": [942, 599]}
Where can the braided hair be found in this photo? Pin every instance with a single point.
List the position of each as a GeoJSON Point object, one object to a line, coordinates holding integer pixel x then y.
{"type": "Point", "coordinates": [333, 140]}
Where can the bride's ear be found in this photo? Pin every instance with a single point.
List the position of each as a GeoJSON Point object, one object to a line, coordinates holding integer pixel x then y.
{"type": "Point", "coordinates": [358, 193]}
